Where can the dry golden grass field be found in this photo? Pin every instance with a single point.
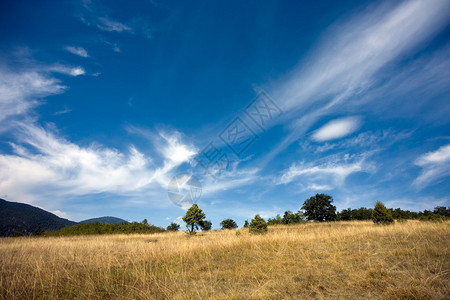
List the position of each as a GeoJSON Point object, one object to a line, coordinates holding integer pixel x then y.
{"type": "Point", "coordinates": [345, 260]}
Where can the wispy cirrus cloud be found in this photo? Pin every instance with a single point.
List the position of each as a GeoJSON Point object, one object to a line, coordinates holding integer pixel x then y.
{"type": "Point", "coordinates": [346, 64]}
{"type": "Point", "coordinates": [19, 91]}
{"type": "Point", "coordinates": [100, 17]}
{"type": "Point", "coordinates": [328, 174]}
{"type": "Point", "coordinates": [107, 24]}
{"type": "Point", "coordinates": [435, 165]}
{"type": "Point", "coordinates": [72, 71]}
{"type": "Point", "coordinates": [80, 51]}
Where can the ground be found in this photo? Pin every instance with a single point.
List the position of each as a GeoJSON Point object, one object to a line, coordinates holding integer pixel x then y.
{"type": "Point", "coordinates": [343, 260]}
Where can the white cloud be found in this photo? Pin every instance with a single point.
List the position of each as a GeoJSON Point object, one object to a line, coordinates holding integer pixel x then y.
{"type": "Point", "coordinates": [327, 175]}
{"type": "Point", "coordinates": [176, 151]}
{"type": "Point", "coordinates": [19, 91]}
{"type": "Point", "coordinates": [47, 161]}
{"type": "Point", "coordinates": [72, 71]}
{"type": "Point", "coordinates": [317, 187]}
{"type": "Point", "coordinates": [108, 24]}
{"type": "Point", "coordinates": [46, 165]}
{"type": "Point", "coordinates": [336, 129]}
{"type": "Point", "coordinates": [63, 111]}
{"type": "Point", "coordinates": [230, 180]}
{"type": "Point", "coordinates": [435, 165]}
{"type": "Point", "coordinates": [60, 214]}
{"type": "Point", "coordinates": [77, 51]}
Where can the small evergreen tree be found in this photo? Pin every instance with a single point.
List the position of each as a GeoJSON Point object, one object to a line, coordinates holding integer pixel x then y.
{"type": "Point", "coordinates": [381, 215]}
{"type": "Point", "coordinates": [258, 225]}
{"type": "Point", "coordinates": [246, 224]}
{"type": "Point", "coordinates": [228, 224]}
{"type": "Point", "coordinates": [194, 216]}
{"type": "Point", "coordinates": [173, 227]}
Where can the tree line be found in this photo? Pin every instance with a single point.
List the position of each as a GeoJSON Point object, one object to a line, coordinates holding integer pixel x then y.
{"type": "Point", "coordinates": [318, 208]}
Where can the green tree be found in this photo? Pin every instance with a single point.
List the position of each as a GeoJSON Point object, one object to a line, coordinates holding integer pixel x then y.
{"type": "Point", "coordinates": [291, 218]}
{"type": "Point", "coordinates": [275, 221]}
{"type": "Point", "coordinates": [442, 211]}
{"type": "Point", "coordinates": [228, 224]}
{"type": "Point", "coordinates": [205, 225]}
{"type": "Point", "coordinates": [246, 224]}
{"type": "Point", "coordinates": [381, 215]}
{"type": "Point", "coordinates": [194, 216]}
{"type": "Point", "coordinates": [319, 208]}
{"type": "Point", "coordinates": [145, 222]}
{"type": "Point", "coordinates": [345, 215]}
{"type": "Point", "coordinates": [173, 227]}
{"type": "Point", "coordinates": [258, 225]}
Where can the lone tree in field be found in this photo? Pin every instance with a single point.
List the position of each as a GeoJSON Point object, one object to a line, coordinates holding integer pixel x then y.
{"type": "Point", "coordinates": [193, 218]}
{"type": "Point", "coordinates": [173, 227]}
{"type": "Point", "coordinates": [228, 224]}
{"type": "Point", "coordinates": [258, 225]}
{"type": "Point", "coordinates": [381, 215]}
{"type": "Point", "coordinates": [319, 208]}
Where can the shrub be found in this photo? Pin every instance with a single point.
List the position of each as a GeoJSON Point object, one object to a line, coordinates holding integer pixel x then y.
{"type": "Point", "coordinates": [173, 227]}
{"type": "Point", "coordinates": [228, 224]}
{"type": "Point", "coordinates": [205, 225]}
{"type": "Point", "coordinates": [381, 215]}
{"type": "Point", "coordinates": [258, 225]}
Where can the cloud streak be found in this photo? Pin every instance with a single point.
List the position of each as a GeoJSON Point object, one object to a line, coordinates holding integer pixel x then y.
{"type": "Point", "coordinates": [435, 165]}
{"type": "Point", "coordinates": [347, 62]}
{"type": "Point", "coordinates": [19, 91]}
{"type": "Point", "coordinates": [77, 51]}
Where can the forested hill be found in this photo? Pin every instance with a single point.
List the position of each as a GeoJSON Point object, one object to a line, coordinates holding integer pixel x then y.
{"type": "Point", "coordinates": [22, 219]}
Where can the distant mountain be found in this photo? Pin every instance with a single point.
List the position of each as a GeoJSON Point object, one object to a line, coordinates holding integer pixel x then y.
{"type": "Point", "coordinates": [107, 220]}
{"type": "Point", "coordinates": [22, 219]}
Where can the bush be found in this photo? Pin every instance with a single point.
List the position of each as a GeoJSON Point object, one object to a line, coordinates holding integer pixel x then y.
{"type": "Point", "coordinates": [258, 225]}
{"type": "Point", "coordinates": [381, 215]}
{"type": "Point", "coordinates": [205, 225]}
{"type": "Point", "coordinates": [173, 227]}
{"type": "Point", "coordinates": [104, 228]}
{"type": "Point", "coordinates": [228, 224]}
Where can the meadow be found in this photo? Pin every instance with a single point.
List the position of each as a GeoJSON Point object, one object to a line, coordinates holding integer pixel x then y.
{"type": "Point", "coordinates": [341, 260]}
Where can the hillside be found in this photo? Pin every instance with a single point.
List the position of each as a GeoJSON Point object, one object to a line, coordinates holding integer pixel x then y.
{"type": "Point", "coordinates": [344, 260]}
{"type": "Point", "coordinates": [22, 219]}
{"type": "Point", "coordinates": [107, 220]}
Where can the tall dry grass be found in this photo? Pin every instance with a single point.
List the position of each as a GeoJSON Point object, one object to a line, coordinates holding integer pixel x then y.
{"type": "Point", "coordinates": [345, 260]}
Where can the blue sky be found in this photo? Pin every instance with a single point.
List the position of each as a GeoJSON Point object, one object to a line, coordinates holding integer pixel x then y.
{"type": "Point", "coordinates": [266, 103]}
